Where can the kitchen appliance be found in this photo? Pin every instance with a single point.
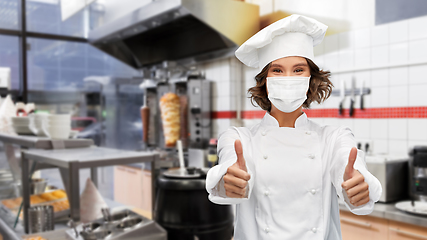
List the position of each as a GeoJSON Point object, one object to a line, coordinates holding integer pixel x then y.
{"type": "Point", "coordinates": [199, 114]}
{"type": "Point", "coordinates": [418, 173]}
{"type": "Point", "coordinates": [171, 30]}
{"type": "Point", "coordinates": [38, 185]}
{"type": "Point", "coordinates": [184, 210]}
{"type": "Point", "coordinates": [194, 92]}
{"type": "Point", "coordinates": [154, 116]}
{"type": "Point", "coordinates": [124, 224]}
{"type": "Point", "coordinates": [392, 172]}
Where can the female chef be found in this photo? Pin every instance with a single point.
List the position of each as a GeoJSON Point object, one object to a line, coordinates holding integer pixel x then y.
{"type": "Point", "coordinates": [284, 174]}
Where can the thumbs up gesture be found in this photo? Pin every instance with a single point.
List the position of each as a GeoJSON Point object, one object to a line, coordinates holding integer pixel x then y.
{"type": "Point", "coordinates": [237, 176]}
{"type": "Point", "coordinates": [354, 183]}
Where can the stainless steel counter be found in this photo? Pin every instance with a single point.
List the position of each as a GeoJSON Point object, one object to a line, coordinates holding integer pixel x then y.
{"type": "Point", "coordinates": [7, 220]}
{"type": "Point", "coordinates": [69, 161]}
{"type": "Point", "coordinates": [390, 212]}
{"type": "Point", "coordinates": [43, 142]}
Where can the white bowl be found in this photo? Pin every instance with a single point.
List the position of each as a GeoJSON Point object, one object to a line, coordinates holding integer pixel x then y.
{"type": "Point", "coordinates": [23, 130]}
{"type": "Point", "coordinates": [36, 126]}
{"type": "Point", "coordinates": [59, 122]}
{"type": "Point", "coordinates": [57, 132]}
{"type": "Point", "coordinates": [20, 120]}
{"type": "Point", "coordinates": [20, 124]}
{"type": "Point", "coordinates": [59, 117]}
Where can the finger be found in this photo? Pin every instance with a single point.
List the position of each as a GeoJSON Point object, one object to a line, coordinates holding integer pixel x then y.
{"type": "Point", "coordinates": [351, 159]}
{"type": "Point", "coordinates": [350, 183]}
{"type": "Point", "coordinates": [361, 202]}
{"type": "Point", "coordinates": [233, 195]}
{"type": "Point", "coordinates": [234, 189]}
{"type": "Point", "coordinates": [239, 152]}
{"type": "Point", "coordinates": [358, 197]}
{"type": "Point", "coordinates": [357, 189]}
{"type": "Point", "coordinates": [231, 179]}
{"type": "Point", "coordinates": [237, 172]}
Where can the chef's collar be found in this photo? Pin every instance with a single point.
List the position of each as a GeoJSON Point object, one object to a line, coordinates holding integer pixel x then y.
{"type": "Point", "coordinates": [270, 121]}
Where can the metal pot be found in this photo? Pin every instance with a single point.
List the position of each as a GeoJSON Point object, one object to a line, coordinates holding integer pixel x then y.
{"type": "Point", "coordinates": [38, 185]}
{"type": "Point", "coordinates": [184, 210]}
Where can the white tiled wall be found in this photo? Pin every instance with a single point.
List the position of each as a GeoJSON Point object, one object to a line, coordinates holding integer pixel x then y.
{"type": "Point", "coordinates": [226, 77]}
{"type": "Point", "coordinates": [391, 60]}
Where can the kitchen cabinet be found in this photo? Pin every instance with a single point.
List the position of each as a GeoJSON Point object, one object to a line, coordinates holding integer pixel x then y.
{"type": "Point", "coordinates": [403, 231]}
{"type": "Point", "coordinates": [366, 227]}
{"type": "Point", "coordinates": [355, 227]}
{"type": "Point", "coordinates": [132, 186]}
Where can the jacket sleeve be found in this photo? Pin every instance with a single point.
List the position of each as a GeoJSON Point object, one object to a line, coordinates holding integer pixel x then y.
{"type": "Point", "coordinates": [344, 141]}
{"type": "Point", "coordinates": [227, 157]}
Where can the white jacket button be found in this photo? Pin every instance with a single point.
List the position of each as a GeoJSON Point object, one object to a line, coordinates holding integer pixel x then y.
{"type": "Point", "coordinates": [265, 156]}
{"type": "Point", "coordinates": [264, 133]}
{"type": "Point", "coordinates": [311, 156]}
{"type": "Point", "coordinates": [267, 229]}
{"type": "Point", "coordinates": [313, 191]}
{"type": "Point", "coordinates": [266, 193]}
{"type": "Point", "coordinates": [314, 230]}
{"type": "Point", "coordinates": [308, 133]}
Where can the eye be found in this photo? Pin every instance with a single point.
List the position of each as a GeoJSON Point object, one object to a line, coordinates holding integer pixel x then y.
{"type": "Point", "coordinates": [299, 70]}
{"type": "Point", "coordinates": [277, 70]}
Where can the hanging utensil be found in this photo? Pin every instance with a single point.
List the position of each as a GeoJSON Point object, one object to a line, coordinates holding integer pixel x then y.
{"type": "Point", "coordinates": [353, 88]}
{"type": "Point", "coordinates": [362, 104]}
{"type": "Point", "coordinates": [342, 97]}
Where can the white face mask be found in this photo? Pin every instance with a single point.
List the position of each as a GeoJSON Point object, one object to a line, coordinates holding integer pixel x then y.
{"type": "Point", "coordinates": [287, 93]}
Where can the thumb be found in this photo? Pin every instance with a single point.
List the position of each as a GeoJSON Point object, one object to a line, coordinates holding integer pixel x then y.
{"type": "Point", "coordinates": [239, 152]}
{"type": "Point", "coordinates": [350, 165]}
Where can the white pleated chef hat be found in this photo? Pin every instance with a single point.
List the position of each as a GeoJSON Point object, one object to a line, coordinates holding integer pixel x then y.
{"type": "Point", "coordinates": [295, 35]}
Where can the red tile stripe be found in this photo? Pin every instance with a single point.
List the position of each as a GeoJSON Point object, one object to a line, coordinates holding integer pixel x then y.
{"type": "Point", "coordinates": [392, 112]}
{"type": "Point", "coordinates": [224, 114]}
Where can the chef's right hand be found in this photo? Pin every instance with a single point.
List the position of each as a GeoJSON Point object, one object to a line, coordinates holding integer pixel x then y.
{"type": "Point", "coordinates": [237, 176]}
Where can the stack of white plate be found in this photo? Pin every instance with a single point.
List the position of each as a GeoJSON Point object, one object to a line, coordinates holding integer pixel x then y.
{"type": "Point", "coordinates": [57, 126]}
{"type": "Point", "coordinates": [21, 125]}
{"type": "Point", "coordinates": [36, 123]}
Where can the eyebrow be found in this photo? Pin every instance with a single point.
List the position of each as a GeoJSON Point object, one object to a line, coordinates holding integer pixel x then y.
{"type": "Point", "coordinates": [296, 65]}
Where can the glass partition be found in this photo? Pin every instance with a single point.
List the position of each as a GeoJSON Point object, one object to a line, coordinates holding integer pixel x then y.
{"type": "Point", "coordinates": [9, 57]}
{"type": "Point", "coordinates": [44, 16]}
{"type": "Point", "coordinates": [10, 14]}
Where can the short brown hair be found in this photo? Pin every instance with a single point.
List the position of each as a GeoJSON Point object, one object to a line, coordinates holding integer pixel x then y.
{"type": "Point", "coordinates": [320, 87]}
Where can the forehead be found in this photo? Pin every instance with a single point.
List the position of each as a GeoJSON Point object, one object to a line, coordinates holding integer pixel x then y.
{"type": "Point", "coordinates": [289, 61]}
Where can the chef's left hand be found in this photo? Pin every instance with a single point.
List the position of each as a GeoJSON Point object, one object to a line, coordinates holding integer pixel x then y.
{"type": "Point", "coordinates": [354, 183]}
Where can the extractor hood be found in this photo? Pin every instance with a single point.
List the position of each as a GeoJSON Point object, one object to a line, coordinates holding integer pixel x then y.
{"type": "Point", "coordinates": [170, 30]}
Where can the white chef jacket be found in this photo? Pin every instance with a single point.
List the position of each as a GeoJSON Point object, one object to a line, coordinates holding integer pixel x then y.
{"type": "Point", "coordinates": [296, 175]}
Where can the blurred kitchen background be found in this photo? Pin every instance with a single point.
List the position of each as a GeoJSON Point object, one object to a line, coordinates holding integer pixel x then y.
{"type": "Point", "coordinates": [381, 45]}
{"type": "Point", "coordinates": [102, 60]}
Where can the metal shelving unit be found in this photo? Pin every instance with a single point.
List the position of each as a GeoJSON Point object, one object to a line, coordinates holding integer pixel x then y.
{"type": "Point", "coordinates": [42, 142]}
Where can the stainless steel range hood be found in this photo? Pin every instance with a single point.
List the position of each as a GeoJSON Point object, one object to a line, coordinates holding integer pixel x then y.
{"type": "Point", "coordinates": [170, 30]}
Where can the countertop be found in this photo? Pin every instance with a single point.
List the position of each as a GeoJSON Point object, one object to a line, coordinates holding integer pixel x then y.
{"type": "Point", "coordinates": [7, 220]}
{"type": "Point", "coordinates": [390, 212]}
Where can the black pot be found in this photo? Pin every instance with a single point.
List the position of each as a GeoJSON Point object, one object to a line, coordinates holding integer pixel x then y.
{"type": "Point", "coordinates": [184, 210]}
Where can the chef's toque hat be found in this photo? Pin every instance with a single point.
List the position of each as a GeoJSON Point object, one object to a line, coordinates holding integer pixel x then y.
{"type": "Point", "coordinates": [295, 35]}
